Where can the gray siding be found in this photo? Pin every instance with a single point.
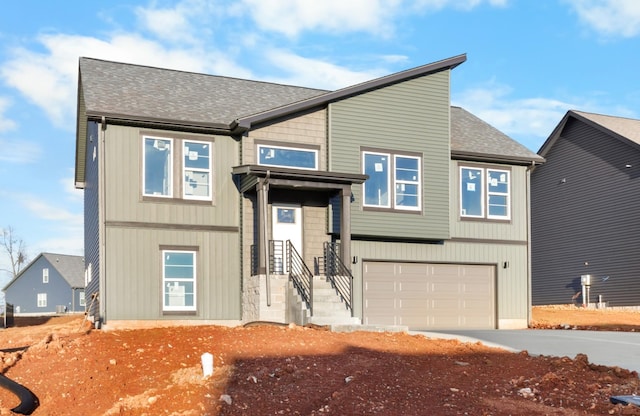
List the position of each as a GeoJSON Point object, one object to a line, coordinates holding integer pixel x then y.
{"type": "Point", "coordinates": [585, 210]}
{"type": "Point", "coordinates": [92, 231]}
{"type": "Point", "coordinates": [413, 116]}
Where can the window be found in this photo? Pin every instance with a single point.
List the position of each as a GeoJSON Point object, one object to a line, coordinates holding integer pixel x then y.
{"type": "Point", "coordinates": [82, 300]}
{"type": "Point", "coordinates": [197, 170]}
{"type": "Point", "coordinates": [485, 193]}
{"type": "Point", "coordinates": [159, 164]}
{"type": "Point", "coordinates": [179, 280]}
{"type": "Point", "coordinates": [395, 181]}
{"type": "Point", "coordinates": [45, 275]}
{"type": "Point", "coordinates": [288, 157]}
{"type": "Point", "coordinates": [42, 300]}
{"type": "Point", "coordinates": [158, 167]}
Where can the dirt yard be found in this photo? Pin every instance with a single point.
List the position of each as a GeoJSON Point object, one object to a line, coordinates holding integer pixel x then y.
{"type": "Point", "coordinates": [271, 370]}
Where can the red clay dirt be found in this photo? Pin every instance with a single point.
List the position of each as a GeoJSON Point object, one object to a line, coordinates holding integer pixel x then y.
{"type": "Point", "coordinates": [292, 370]}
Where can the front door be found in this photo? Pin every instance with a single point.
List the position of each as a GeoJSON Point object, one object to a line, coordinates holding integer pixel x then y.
{"type": "Point", "coordinates": [286, 225]}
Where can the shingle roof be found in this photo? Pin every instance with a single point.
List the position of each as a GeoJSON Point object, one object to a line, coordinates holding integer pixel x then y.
{"type": "Point", "coordinates": [147, 93]}
{"type": "Point", "coordinates": [473, 137]}
{"type": "Point", "coordinates": [71, 268]}
{"type": "Point", "coordinates": [142, 93]}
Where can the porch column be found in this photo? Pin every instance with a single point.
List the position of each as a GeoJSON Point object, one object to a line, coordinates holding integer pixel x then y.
{"type": "Point", "coordinates": [345, 227]}
{"type": "Point", "coordinates": [260, 226]}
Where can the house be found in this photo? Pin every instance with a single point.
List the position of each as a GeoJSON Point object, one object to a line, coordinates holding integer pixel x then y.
{"type": "Point", "coordinates": [51, 283]}
{"type": "Point", "coordinates": [212, 199]}
{"type": "Point", "coordinates": [584, 204]}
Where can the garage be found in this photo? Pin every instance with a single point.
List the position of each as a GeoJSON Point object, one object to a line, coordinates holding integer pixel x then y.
{"type": "Point", "coordinates": [429, 296]}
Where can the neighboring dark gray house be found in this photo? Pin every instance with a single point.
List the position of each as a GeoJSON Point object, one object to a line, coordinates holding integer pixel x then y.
{"type": "Point", "coordinates": [51, 283]}
{"type": "Point", "coordinates": [222, 200]}
{"type": "Point", "coordinates": [585, 216]}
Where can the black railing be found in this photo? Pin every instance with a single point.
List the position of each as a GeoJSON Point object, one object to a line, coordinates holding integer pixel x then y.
{"type": "Point", "coordinates": [300, 275]}
{"type": "Point", "coordinates": [338, 274]}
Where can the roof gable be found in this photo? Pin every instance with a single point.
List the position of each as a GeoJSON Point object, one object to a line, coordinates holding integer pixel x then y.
{"type": "Point", "coordinates": [71, 268]}
{"type": "Point", "coordinates": [624, 129]}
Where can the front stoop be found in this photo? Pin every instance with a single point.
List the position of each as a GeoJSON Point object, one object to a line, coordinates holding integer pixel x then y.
{"type": "Point", "coordinates": [328, 309]}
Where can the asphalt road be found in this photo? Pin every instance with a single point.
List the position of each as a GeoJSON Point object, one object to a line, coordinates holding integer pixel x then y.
{"type": "Point", "coordinates": [620, 349]}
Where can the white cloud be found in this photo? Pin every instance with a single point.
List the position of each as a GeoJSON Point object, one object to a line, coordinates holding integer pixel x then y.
{"type": "Point", "coordinates": [49, 79]}
{"type": "Point", "coordinates": [528, 120]}
{"type": "Point", "coordinates": [610, 17]}
{"type": "Point", "coordinates": [176, 24]}
{"type": "Point", "coordinates": [19, 151]}
{"type": "Point", "coordinates": [290, 17]}
{"type": "Point", "coordinates": [5, 123]}
{"type": "Point", "coordinates": [316, 73]}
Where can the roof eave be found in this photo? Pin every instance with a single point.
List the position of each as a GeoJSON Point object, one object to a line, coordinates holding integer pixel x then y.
{"type": "Point", "coordinates": [152, 122]}
{"type": "Point", "coordinates": [495, 158]}
{"type": "Point", "coordinates": [245, 123]}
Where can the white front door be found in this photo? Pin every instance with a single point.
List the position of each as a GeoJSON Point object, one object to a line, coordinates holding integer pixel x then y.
{"type": "Point", "coordinates": [286, 225]}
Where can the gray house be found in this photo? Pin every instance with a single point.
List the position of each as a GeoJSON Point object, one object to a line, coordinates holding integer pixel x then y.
{"type": "Point", "coordinates": [584, 205]}
{"type": "Point", "coordinates": [212, 199]}
{"type": "Point", "coordinates": [51, 283]}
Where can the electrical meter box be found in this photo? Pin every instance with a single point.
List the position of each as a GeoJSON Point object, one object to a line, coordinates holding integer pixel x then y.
{"type": "Point", "coordinates": [585, 279]}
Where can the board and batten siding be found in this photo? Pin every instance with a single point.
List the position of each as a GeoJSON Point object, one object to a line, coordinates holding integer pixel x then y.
{"type": "Point", "coordinates": [585, 219]}
{"type": "Point", "coordinates": [411, 116]}
{"type": "Point", "coordinates": [136, 230]}
{"type": "Point", "coordinates": [513, 230]}
{"type": "Point", "coordinates": [134, 267]}
{"type": "Point", "coordinates": [123, 173]}
{"type": "Point", "coordinates": [511, 283]}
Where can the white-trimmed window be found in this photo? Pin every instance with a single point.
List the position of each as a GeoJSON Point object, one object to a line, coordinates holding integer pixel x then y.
{"type": "Point", "coordinates": [81, 298]}
{"type": "Point", "coordinates": [45, 275]}
{"type": "Point", "coordinates": [395, 181]}
{"type": "Point", "coordinates": [288, 157]}
{"type": "Point", "coordinates": [42, 300]}
{"type": "Point", "coordinates": [179, 280]}
{"type": "Point", "coordinates": [157, 167]}
{"type": "Point", "coordinates": [197, 170]}
{"type": "Point", "coordinates": [485, 193]}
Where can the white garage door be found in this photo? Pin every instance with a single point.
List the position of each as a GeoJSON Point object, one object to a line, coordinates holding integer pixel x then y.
{"type": "Point", "coordinates": [429, 296]}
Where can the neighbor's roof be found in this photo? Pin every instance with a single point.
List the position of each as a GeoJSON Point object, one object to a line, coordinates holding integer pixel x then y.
{"type": "Point", "coordinates": [71, 268]}
{"type": "Point", "coordinates": [473, 138]}
{"type": "Point", "coordinates": [624, 129]}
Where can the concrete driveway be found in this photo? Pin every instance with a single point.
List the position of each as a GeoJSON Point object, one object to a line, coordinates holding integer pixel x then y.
{"type": "Point", "coordinates": [620, 349]}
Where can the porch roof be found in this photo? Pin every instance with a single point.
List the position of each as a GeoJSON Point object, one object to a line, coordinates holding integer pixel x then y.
{"type": "Point", "coordinates": [296, 178]}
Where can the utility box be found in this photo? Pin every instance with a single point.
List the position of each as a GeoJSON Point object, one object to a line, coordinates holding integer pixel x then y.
{"type": "Point", "coordinates": [585, 279]}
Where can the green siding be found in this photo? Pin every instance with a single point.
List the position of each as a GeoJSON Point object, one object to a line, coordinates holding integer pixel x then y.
{"type": "Point", "coordinates": [412, 116]}
{"type": "Point", "coordinates": [135, 231]}
{"type": "Point", "coordinates": [134, 273]}
{"type": "Point", "coordinates": [123, 173]}
{"type": "Point", "coordinates": [514, 230]}
{"type": "Point", "coordinates": [512, 289]}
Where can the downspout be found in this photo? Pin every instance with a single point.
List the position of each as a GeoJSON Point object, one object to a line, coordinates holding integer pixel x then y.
{"type": "Point", "coordinates": [265, 237]}
{"type": "Point", "coordinates": [102, 272]}
{"type": "Point", "coordinates": [529, 272]}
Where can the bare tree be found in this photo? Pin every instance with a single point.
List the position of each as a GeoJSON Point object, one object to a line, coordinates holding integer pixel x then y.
{"type": "Point", "coordinates": [15, 248]}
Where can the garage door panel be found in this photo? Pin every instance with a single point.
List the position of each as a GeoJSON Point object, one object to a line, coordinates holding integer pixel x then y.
{"type": "Point", "coordinates": [429, 295]}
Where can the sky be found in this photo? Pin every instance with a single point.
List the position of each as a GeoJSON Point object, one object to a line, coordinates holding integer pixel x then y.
{"type": "Point", "coordinates": [528, 63]}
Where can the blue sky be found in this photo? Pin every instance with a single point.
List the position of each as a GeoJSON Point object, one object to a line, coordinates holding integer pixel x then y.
{"type": "Point", "coordinates": [528, 62]}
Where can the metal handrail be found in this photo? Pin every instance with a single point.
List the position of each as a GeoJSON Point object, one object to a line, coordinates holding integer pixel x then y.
{"type": "Point", "coordinates": [338, 274]}
{"type": "Point", "coordinates": [300, 275]}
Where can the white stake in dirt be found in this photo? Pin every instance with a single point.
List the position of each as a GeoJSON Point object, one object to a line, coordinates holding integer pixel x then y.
{"type": "Point", "coordinates": [207, 364]}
